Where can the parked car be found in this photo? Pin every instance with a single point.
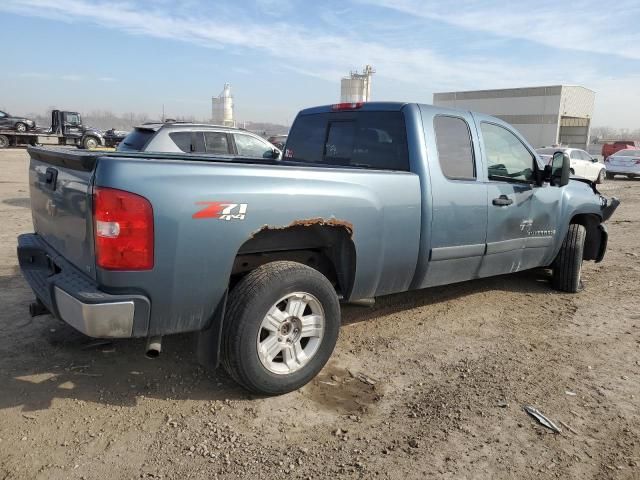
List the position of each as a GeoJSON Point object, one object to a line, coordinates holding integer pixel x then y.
{"type": "Point", "coordinates": [624, 162]}
{"type": "Point", "coordinates": [178, 137]}
{"type": "Point", "coordinates": [19, 124]}
{"type": "Point", "coordinates": [582, 164]}
{"type": "Point", "coordinates": [612, 147]}
{"type": "Point", "coordinates": [255, 255]}
{"type": "Point", "coordinates": [278, 140]}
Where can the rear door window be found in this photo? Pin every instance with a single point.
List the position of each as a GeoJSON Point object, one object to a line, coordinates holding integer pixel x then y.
{"type": "Point", "coordinates": [455, 150]}
{"type": "Point", "coordinates": [374, 140]}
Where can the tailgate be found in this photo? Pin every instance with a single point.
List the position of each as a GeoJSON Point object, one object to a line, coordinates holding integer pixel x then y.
{"type": "Point", "coordinates": [60, 183]}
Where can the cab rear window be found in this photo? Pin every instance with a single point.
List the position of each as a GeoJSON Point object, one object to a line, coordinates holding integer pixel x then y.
{"type": "Point", "coordinates": [375, 140]}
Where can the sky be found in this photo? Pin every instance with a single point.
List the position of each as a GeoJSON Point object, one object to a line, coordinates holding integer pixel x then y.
{"type": "Point", "coordinates": [284, 55]}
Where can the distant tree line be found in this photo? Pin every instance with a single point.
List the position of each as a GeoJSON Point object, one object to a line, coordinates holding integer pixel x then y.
{"type": "Point", "coordinates": [602, 134]}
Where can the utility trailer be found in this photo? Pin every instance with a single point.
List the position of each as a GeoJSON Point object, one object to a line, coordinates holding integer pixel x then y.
{"type": "Point", "coordinates": [66, 129]}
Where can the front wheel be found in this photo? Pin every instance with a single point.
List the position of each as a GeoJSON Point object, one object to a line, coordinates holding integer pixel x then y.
{"type": "Point", "coordinates": [4, 141]}
{"type": "Point", "coordinates": [90, 143]}
{"type": "Point", "coordinates": [601, 176]}
{"type": "Point", "coordinates": [567, 267]}
{"type": "Point", "coordinates": [21, 127]}
{"type": "Point", "coordinates": [281, 327]}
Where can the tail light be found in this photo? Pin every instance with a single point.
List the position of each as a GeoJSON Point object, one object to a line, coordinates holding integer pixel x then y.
{"type": "Point", "coordinates": [123, 230]}
{"type": "Point", "coordinates": [637, 161]}
{"type": "Point", "coordinates": [606, 160]}
{"type": "Point", "coordinates": [346, 106]}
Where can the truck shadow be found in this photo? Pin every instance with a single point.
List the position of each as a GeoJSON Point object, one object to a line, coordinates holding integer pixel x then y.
{"type": "Point", "coordinates": [530, 282]}
{"type": "Point", "coordinates": [43, 359]}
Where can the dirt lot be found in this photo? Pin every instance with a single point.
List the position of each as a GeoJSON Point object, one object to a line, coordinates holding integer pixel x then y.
{"type": "Point", "coordinates": [427, 384]}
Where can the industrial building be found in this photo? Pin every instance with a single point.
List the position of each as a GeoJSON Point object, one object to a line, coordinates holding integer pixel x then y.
{"type": "Point", "coordinates": [553, 115]}
{"type": "Point", "coordinates": [222, 108]}
{"type": "Point", "coordinates": [357, 86]}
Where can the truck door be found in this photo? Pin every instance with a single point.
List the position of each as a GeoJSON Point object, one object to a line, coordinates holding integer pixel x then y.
{"type": "Point", "coordinates": [516, 239]}
{"type": "Point", "coordinates": [459, 198]}
{"type": "Point", "coordinates": [72, 125]}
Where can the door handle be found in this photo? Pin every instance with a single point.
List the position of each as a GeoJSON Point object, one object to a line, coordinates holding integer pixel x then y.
{"type": "Point", "coordinates": [502, 201]}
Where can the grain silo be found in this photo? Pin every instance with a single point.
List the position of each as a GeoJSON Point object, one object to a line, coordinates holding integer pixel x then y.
{"type": "Point", "coordinates": [222, 108]}
{"type": "Point", "coordinates": [357, 86]}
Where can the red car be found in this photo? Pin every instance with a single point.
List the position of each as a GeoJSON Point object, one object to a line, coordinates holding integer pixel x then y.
{"type": "Point", "coordinates": [613, 147]}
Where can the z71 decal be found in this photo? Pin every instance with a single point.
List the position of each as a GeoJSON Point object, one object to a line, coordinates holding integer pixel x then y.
{"type": "Point", "coordinates": [222, 210]}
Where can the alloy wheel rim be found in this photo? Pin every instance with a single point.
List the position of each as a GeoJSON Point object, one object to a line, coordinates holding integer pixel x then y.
{"type": "Point", "coordinates": [291, 333]}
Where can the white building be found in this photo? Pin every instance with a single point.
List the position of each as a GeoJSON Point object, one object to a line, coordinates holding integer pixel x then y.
{"type": "Point", "coordinates": [222, 108]}
{"type": "Point", "coordinates": [559, 114]}
{"type": "Point", "coordinates": [357, 86]}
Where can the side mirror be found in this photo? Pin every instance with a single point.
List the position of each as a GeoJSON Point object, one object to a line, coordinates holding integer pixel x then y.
{"type": "Point", "coordinates": [273, 154]}
{"type": "Point", "coordinates": [595, 159]}
{"type": "Point", "coordinates": [560, 169]}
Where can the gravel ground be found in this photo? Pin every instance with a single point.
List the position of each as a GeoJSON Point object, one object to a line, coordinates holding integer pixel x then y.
{"type": "Point", "coordinates": [427, 384]}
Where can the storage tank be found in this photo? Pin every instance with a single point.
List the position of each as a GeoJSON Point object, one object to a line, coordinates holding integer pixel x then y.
{"type": "Point", "coordinates": [357, 86]}
{"type": "Point", "coordinates": [222, 108]}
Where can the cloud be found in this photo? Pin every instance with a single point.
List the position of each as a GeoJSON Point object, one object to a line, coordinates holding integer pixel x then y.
{"type": "Point", "coordinates": [382, 33]}
{"type": "Point", "coordinates": [302, 49]}
{"type": "Point", "coordinates": [585, 25]}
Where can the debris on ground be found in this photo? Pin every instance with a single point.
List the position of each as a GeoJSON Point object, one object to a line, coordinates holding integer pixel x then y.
{"type": "Point", "coordinates": [544, 421]}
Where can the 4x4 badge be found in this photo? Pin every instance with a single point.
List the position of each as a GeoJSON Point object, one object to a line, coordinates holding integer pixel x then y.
{"type": "Point", "coordinates": [222, 210]}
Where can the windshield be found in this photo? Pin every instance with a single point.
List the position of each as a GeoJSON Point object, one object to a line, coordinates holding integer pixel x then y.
{"type": "Point", "coordinates": [628, 153]}
{"type": "Point", "coordinates": [136, 140]}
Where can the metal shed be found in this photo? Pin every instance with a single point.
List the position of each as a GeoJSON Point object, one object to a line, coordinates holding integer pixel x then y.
{"type": "Point", "coordinates": [558, 114]}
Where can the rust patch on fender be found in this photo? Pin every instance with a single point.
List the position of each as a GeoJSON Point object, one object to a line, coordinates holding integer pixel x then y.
{"type": "Point", "coordinates": [309, 222]}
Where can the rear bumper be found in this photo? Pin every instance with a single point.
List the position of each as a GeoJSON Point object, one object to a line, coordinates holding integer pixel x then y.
{"type": "Point", "coordinates": [74, 298]}
{"type": "Point", "coordinates": [624, 169]}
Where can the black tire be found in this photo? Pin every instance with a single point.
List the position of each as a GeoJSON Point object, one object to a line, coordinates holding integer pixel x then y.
{"type": "Point", "coordinates": [21, 127]}
{"type": "Point", "coordinates": [610, 175]}
{"type": "Point", "coordinates": [601, 176]}
{"type": "Point", "coordinates": [4, 141]}
{"type": "Point", "coordinates": [90, 142]}
{"type": "Point", "coordinates": [567, 267]}
{"type": "Point", "coordinates": [249, 302]}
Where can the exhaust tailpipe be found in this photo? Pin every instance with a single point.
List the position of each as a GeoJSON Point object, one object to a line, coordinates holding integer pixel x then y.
{"type": "Point", "coordinates": [154, 347]}
{"type": "Point", "coordinates": [364, 302]}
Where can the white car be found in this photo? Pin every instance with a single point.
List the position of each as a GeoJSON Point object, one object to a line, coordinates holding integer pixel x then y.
{"type": "Point", "coordinates": [582, 164]}
{"type": "Point", "coordinates": [624, 162]}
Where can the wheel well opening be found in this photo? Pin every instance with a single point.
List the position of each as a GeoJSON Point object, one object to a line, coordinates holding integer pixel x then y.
{"type": "Point", "coordinates": [326, 248]}
{"type": "Point", "coordinates": [592, 242]}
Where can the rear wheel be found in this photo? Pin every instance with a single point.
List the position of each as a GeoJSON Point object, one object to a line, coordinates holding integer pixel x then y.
{"type": "Point", "coordinates": [567, 267]}
{"type": "Point", "coordinates": [21, 127]}
{"type": "Point", "coordinates": [281, 327]}
{"type": "Point", "coordinates": [601, 176]}
{"type": "Point", "coordinates": [4, 141]}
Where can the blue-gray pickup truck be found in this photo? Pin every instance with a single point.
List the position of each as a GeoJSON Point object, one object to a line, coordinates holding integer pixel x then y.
{"type": "Point", "coordinates": [255, 254]}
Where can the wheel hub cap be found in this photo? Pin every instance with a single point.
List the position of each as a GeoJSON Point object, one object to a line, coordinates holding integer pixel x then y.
{"type": "Point", "coordinates": [290, 333]}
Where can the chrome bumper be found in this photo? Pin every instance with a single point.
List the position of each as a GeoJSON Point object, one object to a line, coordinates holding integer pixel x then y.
{"type": "Point", "coordinates": [76, 299]}
{"type": "Point", "coordinates": [102, 320]}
